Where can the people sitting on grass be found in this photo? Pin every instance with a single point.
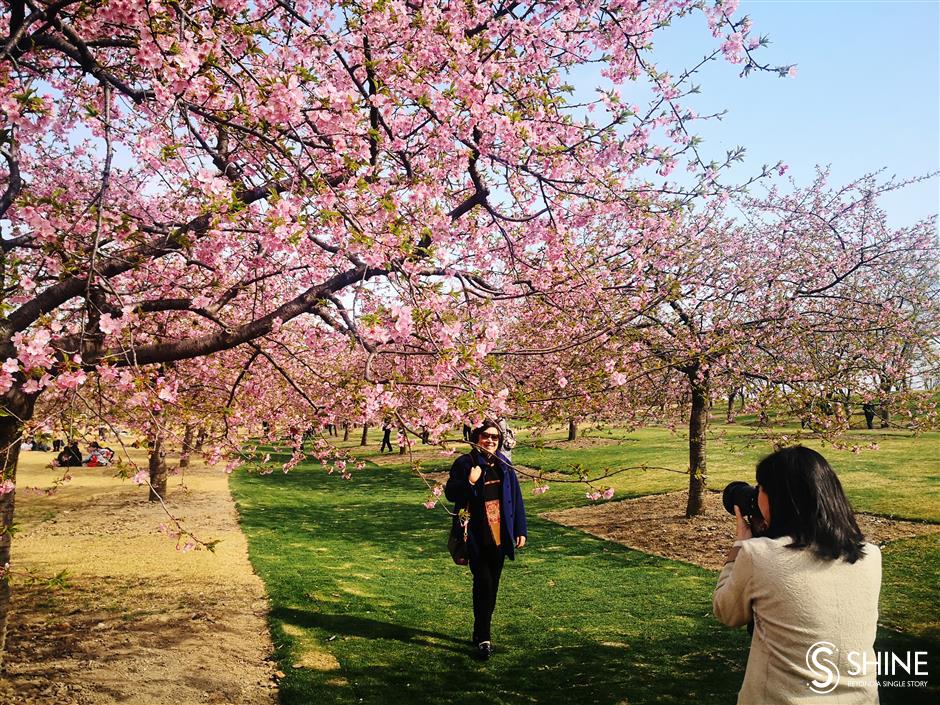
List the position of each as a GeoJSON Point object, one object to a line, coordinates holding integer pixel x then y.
{"type": "Point", "coordinates": [40, 444]}
{"type": "Point", "coordinates": [809, 583]}
{"type": "Point", "coordinates": [98, 456]}
{"type": "Point", "coordinates": [70, 457]}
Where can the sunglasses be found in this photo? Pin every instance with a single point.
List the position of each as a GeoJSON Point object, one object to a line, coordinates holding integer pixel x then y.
{"type": "Point", "coordinates": [489, 436]}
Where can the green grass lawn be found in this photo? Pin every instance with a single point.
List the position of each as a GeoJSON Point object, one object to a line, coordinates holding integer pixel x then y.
{"type": "Point", "coordinates": [901, 479]}
{"type": "Point", "coordinates": [367, 606]}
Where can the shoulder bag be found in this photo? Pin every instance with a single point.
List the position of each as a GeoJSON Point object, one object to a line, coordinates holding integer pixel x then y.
{"type": "Point", "coordinates": [457, 541]}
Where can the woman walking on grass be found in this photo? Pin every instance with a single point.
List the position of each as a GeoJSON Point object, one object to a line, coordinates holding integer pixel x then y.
{"type": "Point", "coordinates": [810, 584]}
{"type": "Point", "coordinates": [482, 482]}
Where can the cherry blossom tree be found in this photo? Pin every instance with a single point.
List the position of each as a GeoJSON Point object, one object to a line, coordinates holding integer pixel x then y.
{"type": "Point", "coordinates": [788, 297]}
{"type": "Point", "coordinates": [189, 182]}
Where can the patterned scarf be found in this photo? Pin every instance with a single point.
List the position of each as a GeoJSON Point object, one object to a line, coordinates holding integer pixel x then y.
{"type": "Point", "coordinates": [492, 494]}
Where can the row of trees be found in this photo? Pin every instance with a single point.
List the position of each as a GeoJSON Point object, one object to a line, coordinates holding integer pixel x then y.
{"type": "Point", "coordinates": [222, 216]}
{"type": "Point", "coordinates": [794, 297]}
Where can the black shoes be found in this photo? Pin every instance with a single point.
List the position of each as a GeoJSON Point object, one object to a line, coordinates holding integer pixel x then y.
{"type": "Point", "coordinates": [484, 651]}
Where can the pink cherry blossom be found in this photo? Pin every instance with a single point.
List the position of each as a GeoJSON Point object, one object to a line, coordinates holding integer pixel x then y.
{"type": "Point", "coordinates": [110, 325]}
{"type": "Point", "coordinates": [6, 381]}
{"type": "Point", "coordinates": [71, 380]}
{"type": "Point", "coordinates": [31, 386]}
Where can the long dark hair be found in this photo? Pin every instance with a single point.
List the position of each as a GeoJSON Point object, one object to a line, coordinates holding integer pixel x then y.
{"type": "Point", "coordinates": [807, 502]}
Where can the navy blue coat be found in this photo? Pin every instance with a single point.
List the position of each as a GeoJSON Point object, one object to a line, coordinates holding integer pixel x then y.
{"type": "Point", "coordinates": [459, 491]}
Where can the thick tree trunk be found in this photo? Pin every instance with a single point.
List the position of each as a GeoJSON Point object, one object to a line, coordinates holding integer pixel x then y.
{"type": "Point", "coordinates": [11, 427]}
{"type": "Point", "coordinates": [698, 426]}
{"type": "Point", "coordinates": [730, 417]}
{"type": "Point", "coordinates": [345, 431]}
{"type": "Point", "coordinates": [158, 469]}
{"type": "Point", "coordinates": [201, 439]}
{"type": "Point", "coordinates": [572, 428]}
{"type": "Point", "coordinates": [187, 446]}
{"type": "Point", "coordinates": [365, 435]}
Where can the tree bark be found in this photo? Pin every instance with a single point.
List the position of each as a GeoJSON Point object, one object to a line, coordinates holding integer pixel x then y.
{"type": "Point", "coordinates": [187, 446]}
{"type": "Point", "coordinates": [20, 410]}
{"type": "Point", "coordinates": [698, 426]}
{"type": "Point", "coordinates": [345, 431]}
{"type": "Point", "coordinates": [365, 435]}
{"type": "Point", "coordinates": [730, 417]}
{"type": "Point", "coordinates": [883, 412]}
{"type": "Point", "coordinates": [158, 470]}
{"type": "Point", "coordinates": [572, 428]}
{"type": "Point", "coordinates": [201, 439]}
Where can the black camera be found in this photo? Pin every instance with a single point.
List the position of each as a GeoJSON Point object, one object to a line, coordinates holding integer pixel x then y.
{"type": "Point", "coordinates": [740, 494]}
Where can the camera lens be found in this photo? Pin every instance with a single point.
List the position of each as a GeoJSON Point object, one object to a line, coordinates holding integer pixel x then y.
{"type": "Point", "coordinates": [740, 494]}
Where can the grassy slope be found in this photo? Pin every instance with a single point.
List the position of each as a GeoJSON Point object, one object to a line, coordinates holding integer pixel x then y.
{"type": "Point", "coordinates": [367, 605]}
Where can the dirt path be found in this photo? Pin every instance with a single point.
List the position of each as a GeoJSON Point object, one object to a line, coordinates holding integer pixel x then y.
{"type": "Point", "coordinates": [657, 524]}
{"type": "Point", "coordinates": [139, 622]}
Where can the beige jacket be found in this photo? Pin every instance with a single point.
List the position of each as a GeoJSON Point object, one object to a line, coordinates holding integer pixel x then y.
{"type": "Point", "coordinates": [797, 601]}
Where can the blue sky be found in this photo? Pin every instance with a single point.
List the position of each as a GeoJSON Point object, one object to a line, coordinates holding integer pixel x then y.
{"type": "Point", "coordinates": [866, 96]}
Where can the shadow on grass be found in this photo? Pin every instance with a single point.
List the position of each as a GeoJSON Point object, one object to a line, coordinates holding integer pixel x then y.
{"type": "Point", "coordinates": [346, 625]}
{"type": "Point", "coordinates": [564, 670]}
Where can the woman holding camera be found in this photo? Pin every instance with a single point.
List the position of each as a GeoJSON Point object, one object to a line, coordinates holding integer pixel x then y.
{"type": "Point", "coordinates": [810, 584]}
{"type": "Point", "coordinates": [482, 482]}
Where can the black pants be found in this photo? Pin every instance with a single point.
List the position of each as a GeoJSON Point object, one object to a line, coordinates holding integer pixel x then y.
{"type": "Point", "coordinates": [386, 441]}
{"type": "Point", "coordinates": [486, 569]}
